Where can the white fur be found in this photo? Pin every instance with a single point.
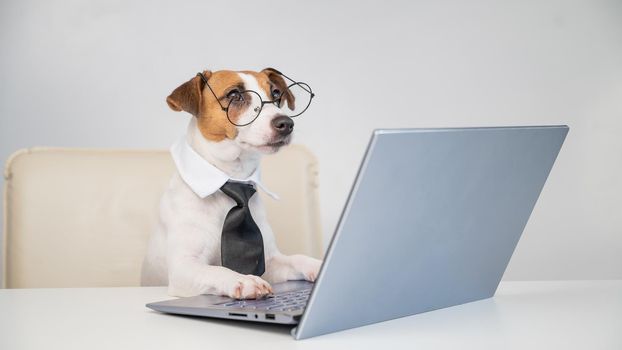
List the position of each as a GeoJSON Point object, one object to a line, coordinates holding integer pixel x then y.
{"type": "Point", "coordinates": [260, 131]}
{"type": "Point", "coordinates": [184, 250]}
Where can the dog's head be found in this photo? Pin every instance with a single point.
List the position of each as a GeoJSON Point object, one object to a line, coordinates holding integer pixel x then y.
{"type": "Point", "coordinates": [228, 106]}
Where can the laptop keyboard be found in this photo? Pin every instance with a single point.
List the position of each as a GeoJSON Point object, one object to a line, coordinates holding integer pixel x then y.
{"type": "Point", "coordinates": [288, 301]}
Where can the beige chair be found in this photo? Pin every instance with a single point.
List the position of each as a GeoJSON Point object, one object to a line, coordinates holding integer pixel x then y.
{"type": "Point", "coordinates": [82, 217]}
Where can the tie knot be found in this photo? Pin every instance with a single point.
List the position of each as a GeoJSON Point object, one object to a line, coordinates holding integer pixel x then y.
{"type": "Point", "coordinates": [240, 192]}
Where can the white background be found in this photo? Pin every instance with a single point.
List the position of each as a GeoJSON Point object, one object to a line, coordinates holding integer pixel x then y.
{"type": "Point", "coordinates": [96, 74]}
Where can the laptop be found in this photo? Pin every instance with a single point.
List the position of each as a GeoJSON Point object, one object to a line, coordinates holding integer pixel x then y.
{"type": "Point", "coordinates": [431, 221]}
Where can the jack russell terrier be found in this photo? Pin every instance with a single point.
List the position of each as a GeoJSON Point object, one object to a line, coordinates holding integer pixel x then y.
{"type": "Point", "coordinates": [213, 236]}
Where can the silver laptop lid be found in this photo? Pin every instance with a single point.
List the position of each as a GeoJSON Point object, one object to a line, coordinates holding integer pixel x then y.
{"type": "Point", "coordinates": [431, 221]}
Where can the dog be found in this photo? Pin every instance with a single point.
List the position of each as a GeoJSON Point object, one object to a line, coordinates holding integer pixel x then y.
{"type": "Point", "coordinates": [184, 251]}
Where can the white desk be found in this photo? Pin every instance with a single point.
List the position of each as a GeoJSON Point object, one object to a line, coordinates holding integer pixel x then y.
{"type": "Point", "coordinates": [523, 315]}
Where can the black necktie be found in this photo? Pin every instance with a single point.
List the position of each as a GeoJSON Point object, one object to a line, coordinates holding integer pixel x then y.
{"type": "Point", "coordinates": [241, 246]}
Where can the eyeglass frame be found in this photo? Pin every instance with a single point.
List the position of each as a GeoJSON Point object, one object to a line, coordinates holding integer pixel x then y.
{"type": "Point", "coordinates": [226, 109]}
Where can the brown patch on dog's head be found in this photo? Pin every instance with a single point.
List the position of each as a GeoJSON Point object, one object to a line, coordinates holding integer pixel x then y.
{"type": "Point", "coordinates": [275, 77]}
{"type": "Point", "coordinates": [212, 120]}
{"type": "Point", "coordinates": [195, 98]}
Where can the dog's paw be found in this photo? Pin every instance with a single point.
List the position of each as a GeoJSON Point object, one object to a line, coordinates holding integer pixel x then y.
{"type": "Point", "coordinates": [308, 267]}
{"type": "Point", "coordinates": [248, 287]}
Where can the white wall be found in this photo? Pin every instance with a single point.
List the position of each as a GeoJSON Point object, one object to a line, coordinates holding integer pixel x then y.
{"type": "Point", "coordinates": [96, 73]}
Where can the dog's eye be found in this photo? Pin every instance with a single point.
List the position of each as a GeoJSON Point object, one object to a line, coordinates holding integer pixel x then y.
{"type": "Point", "coordinates": [234, 95]}
{"type": "Point", "coordinates": [276, 94]}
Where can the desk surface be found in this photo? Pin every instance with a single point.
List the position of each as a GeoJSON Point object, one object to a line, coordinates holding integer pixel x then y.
{"type": "Point", "coordinates": [522, 315]}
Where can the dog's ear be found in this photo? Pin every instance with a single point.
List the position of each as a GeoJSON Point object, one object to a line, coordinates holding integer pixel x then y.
{"type": "Point", "coordinates": [187, 97]}
{"type": "Point", "coordinates": [276, 78]}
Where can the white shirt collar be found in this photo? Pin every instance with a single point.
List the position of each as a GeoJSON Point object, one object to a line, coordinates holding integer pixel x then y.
{"type": "Point", "coordinates": [201, 176]}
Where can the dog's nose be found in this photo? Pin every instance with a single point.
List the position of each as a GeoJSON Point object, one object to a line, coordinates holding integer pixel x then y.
{"type": "Point", "coordinates": [283, 125]}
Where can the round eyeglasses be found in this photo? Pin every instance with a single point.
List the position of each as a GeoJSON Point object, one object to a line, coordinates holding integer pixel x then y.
{"type": "Point", "coordinates": [294, 100]}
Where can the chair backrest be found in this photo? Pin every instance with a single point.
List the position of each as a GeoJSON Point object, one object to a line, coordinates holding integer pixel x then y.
{"type": "Point", "coordinates": [82, 217]}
